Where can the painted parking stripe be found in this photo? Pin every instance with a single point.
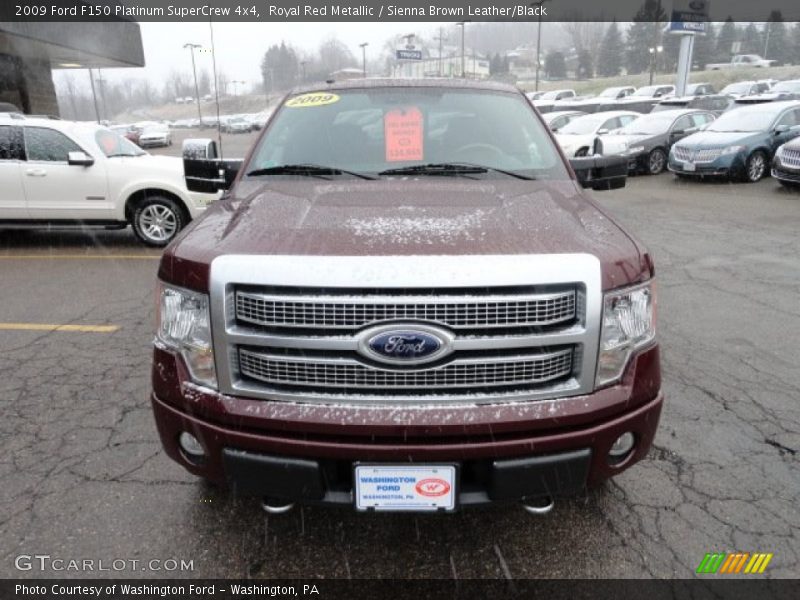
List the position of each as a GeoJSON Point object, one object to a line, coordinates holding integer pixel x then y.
{"type": "Point", "coordinates": [54, 327]}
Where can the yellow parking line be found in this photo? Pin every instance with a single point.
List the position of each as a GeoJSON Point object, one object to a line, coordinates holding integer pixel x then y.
{"type": "Point", "coordinates": [53, 327]}
{"type": "Point", "coordinates": [80, 256]}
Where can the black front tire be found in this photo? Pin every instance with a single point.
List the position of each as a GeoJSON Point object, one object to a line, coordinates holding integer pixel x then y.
{"type": "Point", "coordinates": [157, 220]}
{"type": "Point", "coordinates": [755, 167]}
{"type": "Point", "coordinates": [656, 161]}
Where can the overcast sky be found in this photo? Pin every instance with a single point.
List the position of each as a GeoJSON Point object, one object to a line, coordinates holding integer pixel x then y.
{"type": "Point", "coordinates": [240, 46]}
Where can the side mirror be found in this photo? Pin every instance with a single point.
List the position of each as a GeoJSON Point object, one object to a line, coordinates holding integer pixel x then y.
{"type": "Point", "coordinates": [601, 173]}
{"type": "Point", "coordinates": [204, 172]}
{"type": "Point", "coordinates": [781, 129]}
{"type": "Point", "coordinates": [79, 159]}
{"type": "Point", "coordinates": [602, 131]}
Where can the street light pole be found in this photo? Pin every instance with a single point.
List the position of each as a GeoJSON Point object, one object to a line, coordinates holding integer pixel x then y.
{"type": "Point", "coordinates": [463, 25]}
{"type": "Point", "coordinates": [94, 96]}
{"type": "Point", "coordinates": [654, 52]}
{"type": "Point", "coordinates": [364, 57]}
{"type": "Point", "coordinates": [538, 41]}
{"type": "Point", "coordinates": [440, 38]}
{"type": "Point", "coordinates": [194, 71]}
{"type": "Point", "coordinates": [303, 65]}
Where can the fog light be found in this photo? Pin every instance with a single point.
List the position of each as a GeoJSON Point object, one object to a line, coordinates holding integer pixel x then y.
{"type": "Point", "coordinates": [190, 445]}
{"type": "Point", "coordinates": [622, 446]}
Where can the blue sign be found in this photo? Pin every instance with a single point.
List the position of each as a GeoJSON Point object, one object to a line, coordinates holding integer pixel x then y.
{"type": "Point", "coordinates": [409, 55]}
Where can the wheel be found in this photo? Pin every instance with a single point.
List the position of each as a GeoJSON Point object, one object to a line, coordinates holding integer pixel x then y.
{"type": "Point", "coordinates": [157, 220]}
{"type": "Point", "coordinates": [656, 161]}
{"type": "Point", "coordinates": [755, 166]}
{"type": "Point", "coordinates": [581, 152]}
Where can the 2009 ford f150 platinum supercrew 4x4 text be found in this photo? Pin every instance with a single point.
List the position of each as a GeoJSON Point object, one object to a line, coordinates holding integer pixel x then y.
{"type": "Point", "coordinates": [405, 301]}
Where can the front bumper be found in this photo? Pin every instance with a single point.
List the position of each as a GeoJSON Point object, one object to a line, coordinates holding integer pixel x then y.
{"type": "Point", "coordinates": [783, 173]}
{"type": "Point", "coordinates": [724, 166]}
{"type": "Point", "coordinates": [306, 453]}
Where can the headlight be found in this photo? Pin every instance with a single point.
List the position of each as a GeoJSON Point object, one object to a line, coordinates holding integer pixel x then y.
{"type": "Point", "coordinates": [629, 323]}
{"type": "Point", "coordinates": [635, 150]}
{"type": "Point", "coordinates": [732, 150]}
{"type": "Point", "coordinates": [184, 326]}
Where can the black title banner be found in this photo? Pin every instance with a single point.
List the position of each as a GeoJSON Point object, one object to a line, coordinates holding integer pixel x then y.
{"type": "Point", "coordinates": [403, 10]}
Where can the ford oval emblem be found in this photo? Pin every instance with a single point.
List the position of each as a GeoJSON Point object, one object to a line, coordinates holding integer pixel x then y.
{"type": "Point", "coordinates": [411, 344]}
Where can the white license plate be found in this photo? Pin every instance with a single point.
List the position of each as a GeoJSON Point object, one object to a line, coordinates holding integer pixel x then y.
{"type": "Point", "coordinates": [687, 166]}
{"type": "Point", "coordinates": [405, 487]}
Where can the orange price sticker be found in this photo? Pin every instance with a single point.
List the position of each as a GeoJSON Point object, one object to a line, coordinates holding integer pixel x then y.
{"type": "Point", "coordinates": [403, 129]}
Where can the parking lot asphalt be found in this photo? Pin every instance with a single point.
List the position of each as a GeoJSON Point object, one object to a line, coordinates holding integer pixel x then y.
{"type": "Point", "coordinates": [83, 475]}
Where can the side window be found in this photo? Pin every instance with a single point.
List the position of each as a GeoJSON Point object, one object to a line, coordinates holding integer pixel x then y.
{"type": "Point", "coordinates": [789, 118]}
{"type": "Point", "coordinates": [626, 119]}
{"type": "Point", "coordinates": [11, 143]}
{"type": "Point", "coordinates": [701, 119]}
{"type": "Point", "coordinates": [683, 123]}
{"type": "Point", "coordinates": [610, 124]}
{"type": "Point", "coordinates": [45, 144]}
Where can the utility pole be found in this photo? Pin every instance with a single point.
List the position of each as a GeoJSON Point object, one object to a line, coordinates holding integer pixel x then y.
{"type": "Point", "coordinates": [303, 65]}
{"type": "Point", "coordinates": [463, 25]}
{"type": "Point", "coordinates": [94, 96]}
{"type": "Point", "coordinates": [409, 38]}
{"type": "Point", "coordinates": [768, 28]}
{"type": "Point", "coordinates": [101, 84]}
{"type": "Point", "coordinates": [364, 57]}
{"type": "Point", "coordinates": [191, 48]}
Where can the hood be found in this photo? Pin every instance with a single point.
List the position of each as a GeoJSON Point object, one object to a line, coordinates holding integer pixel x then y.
{"type": "Point", "coordinates": [717, 138]}
{"type": "Point", "coordinates": [432, 216]}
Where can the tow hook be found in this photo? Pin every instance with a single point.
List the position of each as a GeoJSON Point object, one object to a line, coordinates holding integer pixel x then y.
{"type": "Point", "coordinates": [539, 506]}
{"type": "Point", "coordinates": [271, 508]}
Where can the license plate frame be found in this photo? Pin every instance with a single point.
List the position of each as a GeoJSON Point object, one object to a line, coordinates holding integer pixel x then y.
{"type": "Point", "coordinates": [689, 166]}
{"type": "Point", "coordinates": [365, 494]}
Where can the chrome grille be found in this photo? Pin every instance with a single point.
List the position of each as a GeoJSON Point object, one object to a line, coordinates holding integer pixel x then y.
{"type": "Point", "coordinates": [681, 153]}
{"type": "Point", "coordinates": [790, 158]}
{"type": "Point", "coordinates": [702, 155]}
{"type": "Point", "coordinates": [350, 374]}
{"type": "Point", "coordinates": [348, 312]}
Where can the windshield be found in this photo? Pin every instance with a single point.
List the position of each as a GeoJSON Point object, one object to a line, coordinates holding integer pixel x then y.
{"type": "Point", "coordinates": [736, 88]}
{"type": "Point", "coordinates": [550, 95]}
{"type": "Point", "coordinates": [370, 131]}
{"type": "Point", "coordinates": [610, 92]}
{"type": "Point", "coordinates": [113, 144]}
{"type": "Point", "coordinates": [787, 86]}
{"type": "Point", "coordinates": [584, 125]}
{"type": "Point", "coordinates": [748, 119]}
{"type": "Point", "coordinates": [650, 124]}
{"type": "Point", "coordinates": [645, 91]}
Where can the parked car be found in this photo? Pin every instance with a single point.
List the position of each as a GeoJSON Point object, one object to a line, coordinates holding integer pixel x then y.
{"type": "Point", "coordinates": [66, 174]}
{"type": "Point", "coordinates": [129, 132]}
{"type": "Point", "coordinates": [154, 136]}
{"type": "Point", "coordinates": [647, 141]}
{"type": "Point", "coordinates": [546, 102]}
{"type": "Point", "coordinates": [238, 125]}
{"type": "Point", "coordinates": [786, 164]}
{"type": "Point", "coordinates": [642, 100]}
{"type": "Point", "coordinates": [591, 105]}
{"type": "Point", "coordinates": [700, 89]}
{"type": "Point", "coordinates": [578, 137]}
{"type": "Point", "coordinates": [783, 90]}
{"type": "Point", "coordinates": [740, 144]}
{"type": "Point", "coordinates": [716, 103]}
{"type": "Point", "coordinates": [742, 60]}
{"type": "Point", "coordinates": [534, 95]}
{"type": "Point", "coordinates": [745, 88]}
{"type": "Point", "coordinates": [353, 344]}
{"type": "Point", "coordinates": [557, 119]}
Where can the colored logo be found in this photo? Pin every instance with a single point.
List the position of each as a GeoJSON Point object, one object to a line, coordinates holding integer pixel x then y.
{"type": "Point", "coordinates": [410, 346]}
{"type": "Point", "coordinates": [432, 487]}
{"type": "Point", "coordinates": [313, 99]}
{"type": "Point", "coordinates": [734, 563]}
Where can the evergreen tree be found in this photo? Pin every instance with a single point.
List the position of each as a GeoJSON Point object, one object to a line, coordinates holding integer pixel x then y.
{"type": "Point", "coordinates": [727, 36]}
{"type": "Point", "coordinates": [751, 40]}
{"type": "Point", "coordinates": [279, 67]}
{"type": "Point", "coordinates": [776, 43]}
{"type": "Point", "coordinates": [555, 65]}
{"type": "Point", "coordinates": [609, 63]}
{"type": "Point", "coordinates": [585, 65]}
{"type": "Point", "coordinates": [644, 34]}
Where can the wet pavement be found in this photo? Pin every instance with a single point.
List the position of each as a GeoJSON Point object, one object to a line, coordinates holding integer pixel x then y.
{"type": "Point", "coordinates": [83, 475]}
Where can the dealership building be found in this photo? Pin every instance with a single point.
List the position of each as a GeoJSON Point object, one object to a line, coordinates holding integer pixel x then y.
{"type": "Point", "coordinates": [29, 51]}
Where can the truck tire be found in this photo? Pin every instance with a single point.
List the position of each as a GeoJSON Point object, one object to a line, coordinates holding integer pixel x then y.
{"type": "Point", "coordinates": [755, 166]}
{"type": "Point", "coordinates": [157, 220]}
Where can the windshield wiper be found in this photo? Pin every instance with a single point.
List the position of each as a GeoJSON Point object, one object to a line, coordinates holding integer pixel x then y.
{"type": "Point", "coordinates": [309, 170]}
{"type": "Point", "coordinates": [460, 168]}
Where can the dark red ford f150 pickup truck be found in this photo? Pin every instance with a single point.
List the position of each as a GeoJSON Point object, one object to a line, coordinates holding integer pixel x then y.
{"type": "Point", "coordinates": [405, 301]}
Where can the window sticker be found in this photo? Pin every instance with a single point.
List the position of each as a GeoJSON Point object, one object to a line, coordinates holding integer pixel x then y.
{"type": "Point", "coordinates": [312, 99]}
{"type": "Point", "coordinates": [403, 132]}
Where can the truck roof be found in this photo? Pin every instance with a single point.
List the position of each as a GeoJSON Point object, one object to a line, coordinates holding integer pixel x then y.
{"type": "Point", "coordinates": [428, 82]}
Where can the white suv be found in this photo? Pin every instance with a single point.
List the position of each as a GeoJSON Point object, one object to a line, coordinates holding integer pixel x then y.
{"type": "Point", "coordinates": [60, 173]}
